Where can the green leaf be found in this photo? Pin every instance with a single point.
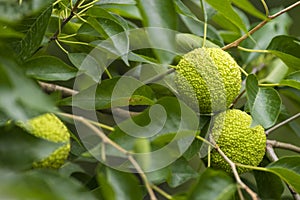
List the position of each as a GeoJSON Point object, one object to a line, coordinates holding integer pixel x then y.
{"type": "Point", "coordinates": [180, 173]}
{"type": "Point", "coordinates": [34, 35]}
{"type": "Point", "coordinates": [248, 7]}
{"type": "Point", "coordinates": [262, 38]}
{"type": "Point", "coordinates": [118, 185]}
{"type": "Point", "coordinates": [116, 2]}
{"type": "Point", "coordinates": [87, 64]}
{"type": "Point", "coordinates": [101, 96]}
{"type": "Point", "coordinates": [213, 185]}
{"type": "Point", "coordinates": [188, 42]}
{"type": "Point", "coordinates": [269, 185]}
{"type": "Point", "coordinates": [20, 97]}
{"type": "Point", "coordinates": [288, 169]}
{"type": "Point", "coordinates": [12, 12]}
{"type": "Point", "coordinates": [292, 80]}
{"type": "Point", "coordinates": [264, 103]}
{"type": "Point", "coordinates": [226, 9]}
{"type": "Point", "coordinates": [49, 68]}
{"type": "Point", "coordinates": [162, 15]}
{"type": "Point", "coordinates": [195, 25]}
{"type": "Point", "coordinates": [41, 184]}
{"type": "Point", "coordinates": [19, 149]}
{"type": "Point", "coordinates": [112, 28]}
{"type": "Point", "coordinates": [287, 49]}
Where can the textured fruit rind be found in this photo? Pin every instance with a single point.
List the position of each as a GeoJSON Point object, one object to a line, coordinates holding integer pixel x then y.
{"type": "Point", "coordinates": [50, 128]}
{"type": "Point", "coordinates": [240, 143]}
{"type": "Point", "coordinates": [209, 76]}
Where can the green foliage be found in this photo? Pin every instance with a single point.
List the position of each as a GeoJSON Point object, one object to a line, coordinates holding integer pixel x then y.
{"type": "Point", "coordinates": [106, 69]}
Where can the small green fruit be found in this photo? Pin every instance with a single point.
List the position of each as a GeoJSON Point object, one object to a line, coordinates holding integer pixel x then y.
{"type": "Point", "coordinates": [241, 143]}
{"type": "Point", "coordinates": [208, 78]}
{"type": "Point", "coordinates": [50, 128]}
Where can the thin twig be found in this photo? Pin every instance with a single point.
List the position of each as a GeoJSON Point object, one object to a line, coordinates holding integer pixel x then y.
{"type": "Point", "coordinates": [49, 88]}
{"type": "Point", "coordinates": [282, 145]}
{"type": "Point", "coordinates": [159, 76]}
{"type": "Point", "coordinates": [273, 157]}
{"type": "Point", "coordinates": [282, 123]}
{"type": "Point", "coordinates": [107, 140]}
{"type": "Point", "coordinates": [236, 175]}
{"type": "Point", "coordinates": [259, 26]}
{"type": "Point", "coordinates": [65, 21]}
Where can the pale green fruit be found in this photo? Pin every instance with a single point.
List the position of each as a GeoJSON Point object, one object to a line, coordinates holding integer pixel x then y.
{"type": "Point", "coordinates": [49, 127]}
{"type": "Point", "coordinates": [240, 142]}
{"type": "Point", "coordinates": [209, 78]}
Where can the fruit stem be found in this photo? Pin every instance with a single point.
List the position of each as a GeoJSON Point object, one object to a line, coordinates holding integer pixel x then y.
{"type": "Point", "coordinates": [160, 191]}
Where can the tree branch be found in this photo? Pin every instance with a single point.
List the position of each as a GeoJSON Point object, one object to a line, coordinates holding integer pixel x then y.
{"type": "Point", "coordinates": [283, 145]}
{"type": "Point", "coordinates": [107, 140]}
{"type": "Point", "coordinates": [253, 195]}
{"type": "Point", "coordinates": [259, 26]}
{"type": "Point", "coordinates": [66, 20]}
{"type": "Point", "coordinates": [282, 123]}
{"type": "Point", "coordinates": [273, 157]}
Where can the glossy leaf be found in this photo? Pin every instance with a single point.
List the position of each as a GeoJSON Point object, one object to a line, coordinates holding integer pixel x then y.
{"type": "Point", "coordinates": [160, 14]}
{"type": "Point", "coordinates": [262, 38]}
{"type": "Point", "coordinates": [288, 169]}
{"type": "Point", "coordinates": [213, 185]}
{"type": "Point", "coordinates": [34, 35]}
{"type": "Point", "coordinates": [181, 172]}
{"type": "Point", "coordinates": [118, 185]}
{"type": "Point", "coordinates": [41, 184]}
{"type": "Point", "coordinates": [269, 185]}
{"type": "Point", "coordinates": [19, 149]}
{"type": "Point", "coordinates": [248, 7]}
{"type": "Point", "coordinates": [100, 96]}
{"type": "Point", "coordinates": [12, 11]}
{"type": "Point", "coordinates": [195, 25]}
{"type": "Point", "coordinates": [188, 42]}
{"type": "Point", "coordinates": [49, 68]}
{"type": "Point", "coordinates": [292, 80]}
{"type": "Point", "coordinates": [287, 49]}
{"type": "Point", "coordinates": [20, 97]}
{"type": "Point", "coordinates": [226, 9]}
{"type": "Point", "coordinates": [264, 103]}
{"type": "Point", "coordinates": [112, 28]}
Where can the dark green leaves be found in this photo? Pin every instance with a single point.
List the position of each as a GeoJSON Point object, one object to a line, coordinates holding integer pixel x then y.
{"type": "Point", "coordinates": [213, 185]}
{"type": "Point", "coordinates": [264, 103]}
{"type": "Point", "coordinates": [118, 185]}
{"type": "Point", "coordinates": [269, 185]}
{"type": "Point", "coordinates": [41, 184]}
{"type": "Point", "coordinates": [49, 68]}
{"type": "Point", "coordinates": [101, 96]}
{"type": "Point", "coordinates": [19, 149]}
{"type": "Point", "coordinates": [20, 97]}
{"type": "Point", "coordinates": [292, 80]}
{"type": "Point", "coordinates": [228, 12]}
{"type": "Point", "coordinates": [287, 49]}
{"type": "Point", "coordinates": [157, 13]}
{"type": "Point", "coordinates": [34, 35]}
{"type": "Point", "coordinates": [288, 169]}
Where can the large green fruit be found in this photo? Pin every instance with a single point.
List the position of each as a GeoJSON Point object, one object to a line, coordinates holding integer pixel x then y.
{"type": "Point", "coordinates": [240, 142]}
{"type": "Point", "coordinates": [208, 78]}
{"type": "Point", "coordinates": [50, 128]}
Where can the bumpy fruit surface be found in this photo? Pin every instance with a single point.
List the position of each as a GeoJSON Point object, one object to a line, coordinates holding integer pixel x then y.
{"type": "Point", "coordinates": [240, 142]}
{"type": "Point", "coordinates": [50, 128]}
{"type": "Point", "coordinates": [209, 78]}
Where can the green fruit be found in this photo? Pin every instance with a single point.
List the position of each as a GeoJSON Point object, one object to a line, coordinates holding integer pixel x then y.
{"type": "Point", "coordinates": [208, 78]}
{"type": "Point", "coordinates": [50, 128]}
{"type": "Point", "coordinates": [240, 142]}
